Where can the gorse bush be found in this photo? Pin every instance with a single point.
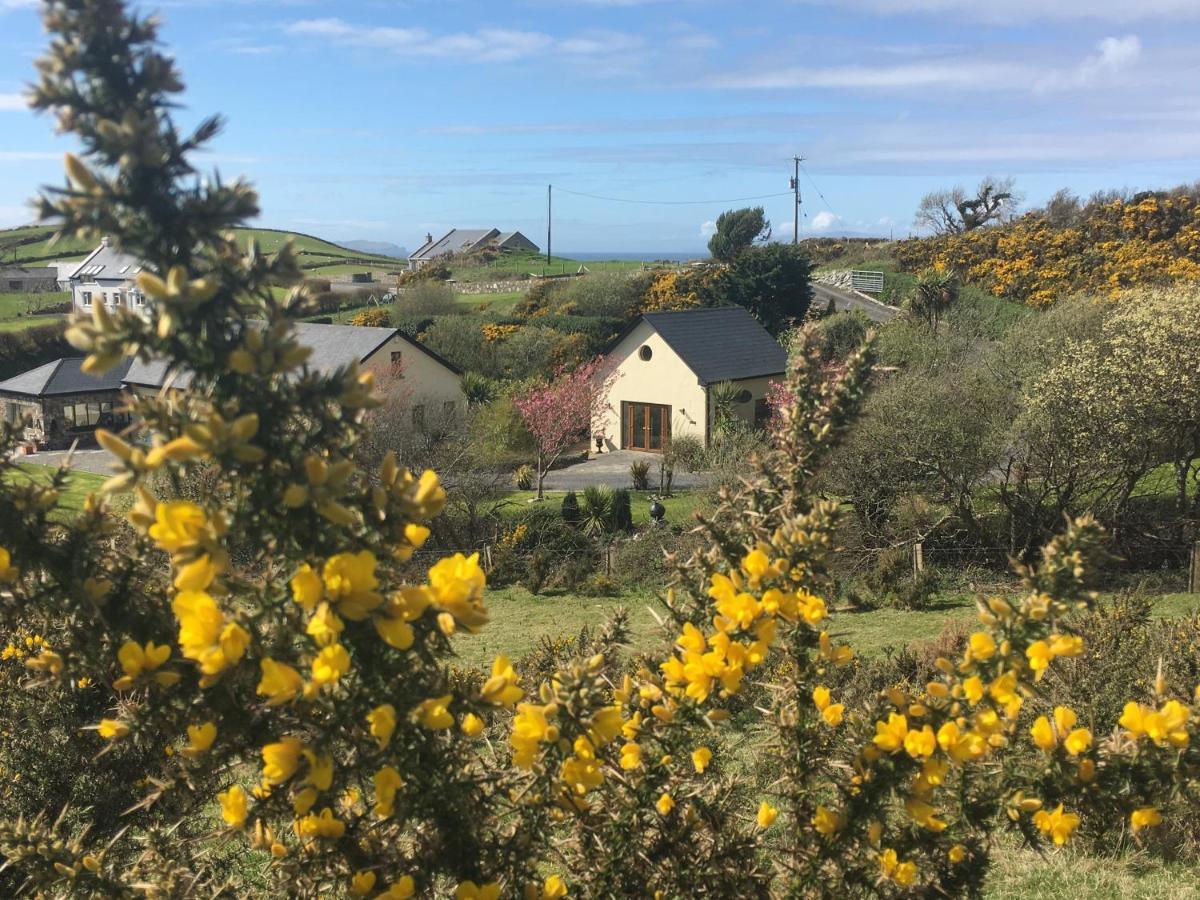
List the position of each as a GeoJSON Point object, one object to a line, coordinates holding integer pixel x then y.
{"type": "Point", "coordinates": [296, 708]}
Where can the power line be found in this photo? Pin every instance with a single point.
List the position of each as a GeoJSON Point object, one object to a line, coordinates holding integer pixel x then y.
{"type": "Point", "coordinates": [564, 190]}
{"type": "Point", "coordinates": [817, 189]}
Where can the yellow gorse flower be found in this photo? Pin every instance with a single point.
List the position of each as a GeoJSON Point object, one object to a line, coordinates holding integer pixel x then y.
{"type": "Point", "coordinates": [233, 806]}
{"type": "Point", "coordinates": [137, 660]}
{"type": "Point", "coordinates": [200, 739]}
{"type": "Point", "coordinates": [1057, 824]}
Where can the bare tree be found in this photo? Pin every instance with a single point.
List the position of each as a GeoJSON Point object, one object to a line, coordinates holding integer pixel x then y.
{"type": "Point", "coordinates": [954, 211]}
{"type": "Point", "coordinates": [1063, 209]}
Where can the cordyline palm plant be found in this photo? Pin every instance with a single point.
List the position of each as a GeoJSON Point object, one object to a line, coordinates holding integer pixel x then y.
{"type": "Point", "coordinates": [297, 710]}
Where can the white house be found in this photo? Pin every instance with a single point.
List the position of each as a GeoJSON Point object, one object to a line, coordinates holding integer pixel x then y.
{"type": "Point", "coordinates": [666, 364]}
{"type": "Point", "coordinates": [106, 276]}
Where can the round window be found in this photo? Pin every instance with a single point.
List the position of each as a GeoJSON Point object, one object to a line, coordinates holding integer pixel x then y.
{"type": "Point", "coordinates": [743, 396]}
{"type": "Point", "coordinates": [644, 352]}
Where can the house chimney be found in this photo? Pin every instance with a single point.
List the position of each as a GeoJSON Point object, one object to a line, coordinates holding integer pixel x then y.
{"type": "Point", "coordinates": [428, 238]}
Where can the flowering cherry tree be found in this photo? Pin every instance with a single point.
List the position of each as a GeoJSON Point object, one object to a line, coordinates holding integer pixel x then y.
{"type": "Point", "coordinates": [560, 411]}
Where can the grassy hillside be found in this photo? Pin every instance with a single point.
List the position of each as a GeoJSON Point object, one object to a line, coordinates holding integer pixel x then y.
{"type": "Point", "coordinates": [31, 245]}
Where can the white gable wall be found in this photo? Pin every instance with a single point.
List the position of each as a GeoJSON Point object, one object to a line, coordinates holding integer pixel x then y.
{"type": "Point", "coordinates": [423, 380]}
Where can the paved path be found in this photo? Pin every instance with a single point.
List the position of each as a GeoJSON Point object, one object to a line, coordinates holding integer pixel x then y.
{"type": "Point", "coordinates": [93, 460]}
{"type": "Point", "coordinates": [843, 299]}
{"type": "Point", "coordinates": [612, 469]}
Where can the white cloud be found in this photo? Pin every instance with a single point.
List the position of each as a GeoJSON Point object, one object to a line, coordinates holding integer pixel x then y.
{"type": "Point", "coordinates": [1113, 55]}
{"type": "Point", "coordinates": [13, 103]}
{"type": "Point", "coordinates": [824, 220]}
{"type": "Point", "coordinates": [1016, 11]}
{"type": "Point", "coordinates": [955, 74]}
{"type": "Point", "coordinates": [483, 45]}
{"type": "Point", "coordinates": [708, 229]}
{"type": "Point", "coordinates": [6, 5]}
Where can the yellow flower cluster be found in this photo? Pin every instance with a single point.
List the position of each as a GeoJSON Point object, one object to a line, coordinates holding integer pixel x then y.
{"type": "Point", "coordinates": [745, 624]}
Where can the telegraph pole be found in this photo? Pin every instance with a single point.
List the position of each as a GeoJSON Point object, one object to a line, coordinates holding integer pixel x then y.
{"type": "Point", "coordinates": [796, 160]}
{"type": "Point", "coordinates": [549, 207]}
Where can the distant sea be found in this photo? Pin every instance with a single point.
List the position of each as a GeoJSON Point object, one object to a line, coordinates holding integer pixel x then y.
{"type": "Point", "coordinates": [651, 256]}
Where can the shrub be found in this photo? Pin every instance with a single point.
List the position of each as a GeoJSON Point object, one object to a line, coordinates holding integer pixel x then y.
{"type": "Point", "coordinates": [615, 295]}
{"type": "Point", "coordinates": [570, 509]}
{"type": "Point", "coordinates": [29, 348]}
{"type": "Point", "coordinates": [428, 298]}
{"type": "Point", "coordinates": [639, 472]}
{"type": "Point", "coordinates": [597, 509]}
{"type": "Point", "coordinates": [374, 316]}
{"type": "Point", "coordinates": [523, 477]}
{"type": "Point", "coordinates": [842, 333]}
{"type": "Point", "coordinates": [622, 511]}
{"type": "Point", "coordinates": [478, 389]}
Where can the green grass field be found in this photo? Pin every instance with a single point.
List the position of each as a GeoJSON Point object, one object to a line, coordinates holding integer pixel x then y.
{"type": "Point", "coordinates": [269, 241]}
{"type": "Point", "coordinates": [79, 485]}
{"type": "Point", "coordinates": [16, 309]}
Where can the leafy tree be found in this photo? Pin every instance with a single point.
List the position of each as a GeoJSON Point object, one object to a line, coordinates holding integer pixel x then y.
{"type": "Point", "coordinates": [772, 282]}
{"type": "Point", "coordinates": [558, 413]}
{"type": "Point", "coordinates": [737, 230]}
{"type": "Point", "coordinates": [954, 211]}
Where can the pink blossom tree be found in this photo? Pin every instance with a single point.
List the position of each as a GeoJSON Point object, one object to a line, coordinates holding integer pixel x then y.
{"type": "Point", "coordinates": [560, 412]}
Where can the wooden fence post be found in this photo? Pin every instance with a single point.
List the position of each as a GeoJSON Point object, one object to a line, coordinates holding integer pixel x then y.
{"type": "Point", "coordinates": [918, 559]}
{"type": "Point", "coordinates": [487, 557]}
{"type": "Point", "coordinates": [608, 559]}
{"type": "Point", "coordinates": [1194, 569]}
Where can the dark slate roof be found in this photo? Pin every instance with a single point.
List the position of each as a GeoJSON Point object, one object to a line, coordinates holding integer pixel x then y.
{"type": "Point", "coordinates": [722, 344]}
{"type": "Point", "coordinates": [107, 262]}
{"type": "Point", "coordinates": [64, 376]}
{"type": "Point", "coordinates": [333, 346]}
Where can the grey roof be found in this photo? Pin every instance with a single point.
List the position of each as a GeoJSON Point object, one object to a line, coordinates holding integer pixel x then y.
{"type": "Point", "coordinates": [509, 235]}
{"type": "Point", "coordinates": [333, 346]}
{"type": "Point", "coordinates": [64, 376]}
{"type": "Point", "coordinates": [106, 261]}
{"type": "Point", "coordinates": [457, 240]}
{"type": "Point", "coordinates": [721, 344]}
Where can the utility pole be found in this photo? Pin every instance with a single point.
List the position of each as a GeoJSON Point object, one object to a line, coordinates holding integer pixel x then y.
{"type": "Point", "coordinates": [549, 212]}
{"type": "Point", "coordinates": [796, 192]}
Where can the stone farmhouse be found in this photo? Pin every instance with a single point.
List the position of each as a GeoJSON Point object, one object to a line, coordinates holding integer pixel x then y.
{"type": "Point", "coordinates": [468, 240]}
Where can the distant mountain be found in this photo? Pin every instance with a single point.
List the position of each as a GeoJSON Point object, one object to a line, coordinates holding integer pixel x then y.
{"type": "Point", "coordinates": [379, 248]}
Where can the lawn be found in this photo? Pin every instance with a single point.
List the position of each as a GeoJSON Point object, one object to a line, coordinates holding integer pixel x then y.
{"type": "Point", "coordinates": [519, 620]}
{"type": "Point", "coordinates": [79, 485]}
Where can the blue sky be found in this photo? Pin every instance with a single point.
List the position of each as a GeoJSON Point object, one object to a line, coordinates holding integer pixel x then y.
{"type": "Point", "coordinates": [365, 119]}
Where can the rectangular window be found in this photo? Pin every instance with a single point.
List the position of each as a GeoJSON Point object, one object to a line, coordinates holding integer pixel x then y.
{"type": "Point", "coordinates": [418, 416]}
{"type": "Point", "coordinates": [86, 298]}
{"type": "Point", "coordinates": [762, 413]}
{"type": "Point", "coordinates": [397, 363]}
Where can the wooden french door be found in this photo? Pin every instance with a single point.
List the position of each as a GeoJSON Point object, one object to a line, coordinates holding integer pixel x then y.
{"type": "Point", "coordinates": [645, 426]}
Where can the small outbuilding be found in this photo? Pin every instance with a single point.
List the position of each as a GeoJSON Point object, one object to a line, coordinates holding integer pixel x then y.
{"type": "Point", "coordinates": [60, 402]}
{"type": "Point", "coordinates": [666, 365]}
